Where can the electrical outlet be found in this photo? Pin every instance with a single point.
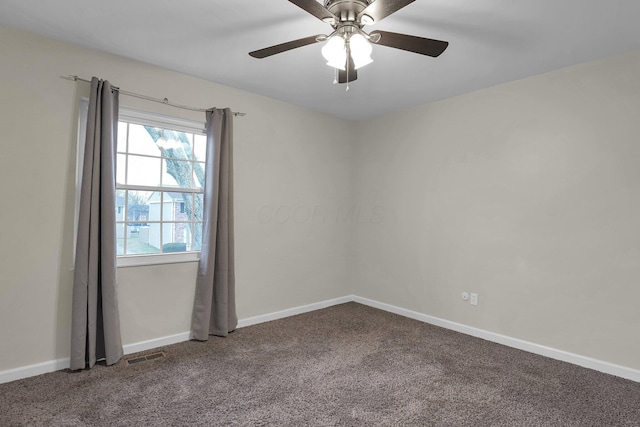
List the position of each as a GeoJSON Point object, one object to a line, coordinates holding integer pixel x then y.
{"type": "Point", "coordinates": [474, 299]}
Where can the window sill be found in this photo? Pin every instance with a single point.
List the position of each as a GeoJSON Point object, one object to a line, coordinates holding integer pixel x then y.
{"type": "Point", "coordinates": [172, 258]}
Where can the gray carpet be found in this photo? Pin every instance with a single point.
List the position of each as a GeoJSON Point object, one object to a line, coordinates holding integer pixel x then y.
{"type": "Point", "coordinates": [346, 365]}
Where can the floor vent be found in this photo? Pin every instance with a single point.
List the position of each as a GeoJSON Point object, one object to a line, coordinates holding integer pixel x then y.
{"type": "Point", "coordinates": [144, 358]}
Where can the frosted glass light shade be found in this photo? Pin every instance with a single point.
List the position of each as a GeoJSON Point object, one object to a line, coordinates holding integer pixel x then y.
{"type": "Point", "coordinates": [360, 50]}
{"type": "Point", "coordinates": [335, 53]}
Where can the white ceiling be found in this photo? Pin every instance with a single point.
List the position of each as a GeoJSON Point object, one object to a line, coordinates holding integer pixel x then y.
{"type": "Point", "coordinates": [491, 42]}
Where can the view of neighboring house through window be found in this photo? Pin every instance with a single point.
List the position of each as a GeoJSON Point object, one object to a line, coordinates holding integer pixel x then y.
{"type": "Point", "coordinates": [159, 183]}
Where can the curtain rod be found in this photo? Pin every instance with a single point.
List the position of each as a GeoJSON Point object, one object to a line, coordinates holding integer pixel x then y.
{"type": "Point", "coordinates": [164, 101]}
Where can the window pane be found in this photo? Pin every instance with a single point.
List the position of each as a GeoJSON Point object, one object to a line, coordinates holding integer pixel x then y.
{"type": "Point", "coordinates": [143, 171]}
{"type": "Point", "coordinates": [142, 140]}
{"type": "Point", "coordinates": [178, 206]}
{"type": "Point", "coordinates": [120, 199]}
{"type": "Point", "coordinates": [178, 232]}
{"type": "Point", "coordinates": [198, 175]}
{"type": "Point", "coordinates": [190, 150]}
{"type": "Point", "coordinates": [174, 206]}
{"type": "Point", "coordinates": [176, 237]}
{"type": "Point", "coordinates": [197, 236]}
{"type": "Point", "coordinates": [175, 234]}
{"type": "Point", "coordinates": [121, 168]}
{"type": "Point", "coordinates": [176, 173]}
{"type": "Point", "coordinates": [198, 201]}
{"type": "Point", "coordinates": [154, 200]}
{"type": "Point", "coordinates": [200, 147]}
{"type": "Point", "coordinates": [138, 206]}
{"type": "Point", "coordinates": [198, 208]}
{"type": "Point", "coordinates": [152, 235]}
{"type": "Point", "coordinates": [122, 137]}
{"type": "Point", "coordinates": [177, 144]}
{"type": "Point", "coordinates": [119, 239]}
{"type": "Point", "coordinates": [139, 240]}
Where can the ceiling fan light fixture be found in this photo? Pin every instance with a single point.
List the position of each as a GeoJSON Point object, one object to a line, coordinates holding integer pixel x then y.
{"type": "Point", "coordinates": [335, 52]}
{"type": "Point", "coordinates": [360, 50]}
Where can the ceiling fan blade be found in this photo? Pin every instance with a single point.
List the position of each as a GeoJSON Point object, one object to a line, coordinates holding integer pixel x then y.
{"type": "Point", "coordinates": [316, 9]}
{"type": "Point", "coordinates": [283, 47]}
{"type": "Point", "coordinates": [421, 45]}
{"type": "Point", "coordinates": [351, 75]}
{"type": "Point", "coordinates": [380, 9]}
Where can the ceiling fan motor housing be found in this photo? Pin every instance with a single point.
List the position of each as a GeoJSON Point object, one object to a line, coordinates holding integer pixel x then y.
{"type": "Point", "coordinates": [347, 11]}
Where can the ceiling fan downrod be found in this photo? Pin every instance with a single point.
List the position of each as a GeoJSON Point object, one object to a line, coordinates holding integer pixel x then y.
{"type": "Point", "coordinates": [348, 11]}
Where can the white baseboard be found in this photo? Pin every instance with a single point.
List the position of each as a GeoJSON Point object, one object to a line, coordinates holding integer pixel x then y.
{"type": "Point", "coordinates": [59, 364]}
{"type": "Point", "coordinates": [576, 359]}
{"type": "Point", "coordinates": [155, 343]}
{"type": "Point", "coordinates": [33, 370]}
{"type": "Point", "coordinates": [243, 323]}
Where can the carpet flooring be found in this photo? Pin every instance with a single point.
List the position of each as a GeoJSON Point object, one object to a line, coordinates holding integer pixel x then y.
{"type": "Point", "coordinates": [347, 365]}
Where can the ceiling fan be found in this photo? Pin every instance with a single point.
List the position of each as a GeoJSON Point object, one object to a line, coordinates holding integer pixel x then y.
{"type": "Point", "coordinates": [348, 47]}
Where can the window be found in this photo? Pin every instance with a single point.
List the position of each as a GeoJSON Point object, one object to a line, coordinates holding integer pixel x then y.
{"type": "Point", "coordinates": [160, 170]}
{"type": "Point", "coordinates": [159, 185]}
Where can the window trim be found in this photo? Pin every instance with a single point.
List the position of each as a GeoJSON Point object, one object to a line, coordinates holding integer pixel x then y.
{"type": "Point", "coordinates": [146, 118]}
{"type": "Point", "coordinates": [157, 259]}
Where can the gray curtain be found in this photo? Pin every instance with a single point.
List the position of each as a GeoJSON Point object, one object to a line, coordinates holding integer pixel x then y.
{"type": "Point", "coordinates": [214, 311]}
{"type": "Point", "coordinates": [95, 326]}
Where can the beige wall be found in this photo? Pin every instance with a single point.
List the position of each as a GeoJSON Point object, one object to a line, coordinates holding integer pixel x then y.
{"type": "Point", "coordinates": [527, 194]}
{"type": "Point", "coordinates": [284, 161]}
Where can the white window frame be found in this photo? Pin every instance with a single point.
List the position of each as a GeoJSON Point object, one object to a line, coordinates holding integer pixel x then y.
{"type": "Point", "coordinates": [145, 118]}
